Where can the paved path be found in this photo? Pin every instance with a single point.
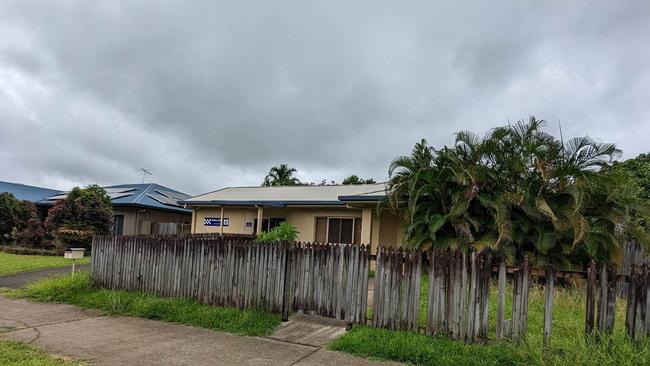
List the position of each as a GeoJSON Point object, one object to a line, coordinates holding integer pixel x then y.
{"type": "Point", "coordinates": [23, 278]}
{"type": "Point", "coordinates": [102, 340]}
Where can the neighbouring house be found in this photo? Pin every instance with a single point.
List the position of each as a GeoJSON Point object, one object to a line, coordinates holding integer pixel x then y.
{"type": "Point", "coordinates": [145, 209]}
{"type": "Point", "coordinates": [36, 195]}
{"type": "Point", "coordinates": [137, 208]}
{"type": "Point", "coordinates": [332, 214]}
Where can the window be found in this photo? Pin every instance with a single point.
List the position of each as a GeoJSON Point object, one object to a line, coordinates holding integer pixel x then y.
{"type": "Point", "coordinates": [118, 224]}
{"type": "Point", "coordinates": [268, 223]}
{"type": "Point", "coordinates": [338, 230]}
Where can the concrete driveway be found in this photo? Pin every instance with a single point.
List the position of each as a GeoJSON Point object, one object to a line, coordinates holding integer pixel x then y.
{"type": "Point", "coordinates": [102, 340]}
{"type": "Point", "coordinates": [23, 278]}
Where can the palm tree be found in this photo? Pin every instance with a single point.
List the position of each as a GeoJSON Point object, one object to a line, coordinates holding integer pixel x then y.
{"type": "Point", "coordinates": [281, 175]}
{"type": "Point", "coordinates": [518, 190]}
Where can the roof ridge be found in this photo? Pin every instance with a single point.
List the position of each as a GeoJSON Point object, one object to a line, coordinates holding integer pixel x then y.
{"type": "Point", "coordinates": [304, 186]}
{"type": "Point", "coordinates": [144, 191]}
{"type": "Point", "coordinates": [216, 190]}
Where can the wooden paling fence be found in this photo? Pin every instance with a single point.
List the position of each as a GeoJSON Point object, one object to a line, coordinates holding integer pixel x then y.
{"type": "Point", "coordinates": [633, 254]}
{"type": "Point", "coordinates": [637, 317]}
{"type": "Point", "coordinates": [230, 271]}
{"type": "Point", "coordinates": [332, 280]}
{"type": "Point", "coordinates": [225, 272]}
{"type": "Point", "coordinates": [396, 299]}
{"type": "Point", "coordinates": [458, 294]}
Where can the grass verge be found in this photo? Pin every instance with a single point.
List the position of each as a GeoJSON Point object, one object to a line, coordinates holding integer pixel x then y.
{"type": "Point", "coordinates": [14, 263]}
{"type": "Point", "coordinates": [19, 354]}
{"type": "Point", "coordinates": [79, 290]}
{"type": "Point", "coordinates": [569, 346]}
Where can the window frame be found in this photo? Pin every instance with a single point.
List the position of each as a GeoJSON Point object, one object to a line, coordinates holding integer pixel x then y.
{"type": "Point", "coordinates": [327, 228]}
{"type": "Point", "coordinates": [121, 216]}
{"type": "Point", "coordinates": [268, 223]}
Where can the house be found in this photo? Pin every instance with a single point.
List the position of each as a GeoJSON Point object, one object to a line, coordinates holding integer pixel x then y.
{"type": "Point", "coordinates": [137, 208]}
{"type": "Point", "coordinates": [33, 194]}
{"type": "Point", "coordinates": [333, 214]}
{"type": "Point", "coordinates": [145, 209]}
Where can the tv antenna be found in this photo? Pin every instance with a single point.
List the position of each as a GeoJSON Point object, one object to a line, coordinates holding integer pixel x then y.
{"type": "Point", "coordinates": [145, 172]}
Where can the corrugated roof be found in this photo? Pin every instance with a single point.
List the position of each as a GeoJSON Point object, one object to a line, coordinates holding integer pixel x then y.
{"type": "Point", "coordinates": [25, 192]}
{"type": "Point", "coordinates": [148, 195]}
{"type": "Point", "coordinates": [288, 195]}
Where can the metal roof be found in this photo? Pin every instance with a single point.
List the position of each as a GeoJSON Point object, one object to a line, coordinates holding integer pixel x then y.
{"type": "Point", "coordinates": [25, 192]}
{"type": "Point", "coordinates": [290, 195]}
{"type": "Point", "coordinates": [148, 195]}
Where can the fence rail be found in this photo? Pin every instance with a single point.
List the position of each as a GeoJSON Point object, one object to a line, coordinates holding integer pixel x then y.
{"type": "Point", "coordinates": [332, 280]}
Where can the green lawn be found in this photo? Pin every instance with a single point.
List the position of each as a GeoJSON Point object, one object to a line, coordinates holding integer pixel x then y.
{"type": "Point", "coordinates": [569, 346]}
{"type": "Point", "coordinates": [13, 263]}
{"type": "Point", "coordinates": [18, 354]}
{"type": "Point", "coordinates": [79, 290]}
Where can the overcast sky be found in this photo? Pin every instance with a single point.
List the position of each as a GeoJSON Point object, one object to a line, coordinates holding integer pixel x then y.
{"type": "Point", "coordinates": [211, 94]}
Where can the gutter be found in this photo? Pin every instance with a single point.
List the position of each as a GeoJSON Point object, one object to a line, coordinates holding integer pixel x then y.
{"type": "Point", "coordinates": [262, 203]}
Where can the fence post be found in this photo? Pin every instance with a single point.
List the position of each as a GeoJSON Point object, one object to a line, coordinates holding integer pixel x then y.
{"type": "Point", "coordinates": [548, 305]}
{"type": "Point", "coordinates": [286, 287]}
{"type": "Point", "coordinates": [501, 307]}
{"type": "Point", "coordinates": [591, 291]}
{"type": "Point", "coordinates": [630, 314]}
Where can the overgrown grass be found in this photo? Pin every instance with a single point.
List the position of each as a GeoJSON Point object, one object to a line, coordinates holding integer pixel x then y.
{"type": "Point", "coordinates": [14, 263]}
{"type": "Point", "coordinates": [569, 346]}
{"type": "Point", "coordinates": [79, 290]}
{"type": "Point", "coordinates": [19, 354]}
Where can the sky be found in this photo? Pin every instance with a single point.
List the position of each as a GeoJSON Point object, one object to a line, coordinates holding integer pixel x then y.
{"type": "Point", "coordinates": [209, 94]}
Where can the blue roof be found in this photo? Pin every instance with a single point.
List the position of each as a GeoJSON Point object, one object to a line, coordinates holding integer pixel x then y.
{"type": "Point", "coordinates": [28, 193]}
{"type": "Point", "coordinates": [148, 195]}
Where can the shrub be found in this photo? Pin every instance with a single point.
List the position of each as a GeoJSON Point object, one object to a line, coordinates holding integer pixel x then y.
{"type": "Point", "coordinates": [284, 232]}
{"type": "Point", "coordinates": [83, 213]}
{"type": "Point", "coordinates": [19, 221]}
{"type": "Point", "coordinates": [32, 235]}
{"type": "Point", "coordinates": [55, 252]}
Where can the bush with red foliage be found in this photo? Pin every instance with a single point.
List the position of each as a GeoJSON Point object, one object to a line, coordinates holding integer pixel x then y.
{"type": "Point", "coordinates": [83, 213]}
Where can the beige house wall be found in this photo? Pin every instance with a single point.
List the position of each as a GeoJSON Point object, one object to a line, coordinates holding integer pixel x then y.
{"type": "Point", "coordinates": [304, 219]}
{"type": "Point", "coordinates": [385, 230]}
{"type": "Point", "coordinates": [237, 220]}
{"type": "Point", "coordinates": [139, 220]}
{"type": "Point", "coordinates": [129, 227]}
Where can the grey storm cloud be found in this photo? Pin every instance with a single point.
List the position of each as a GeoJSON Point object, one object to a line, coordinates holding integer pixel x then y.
{"type": "Point", "coordinates": [211, 94]}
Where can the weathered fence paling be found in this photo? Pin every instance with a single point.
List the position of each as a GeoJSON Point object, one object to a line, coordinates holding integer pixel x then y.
{"type": "Point", "coordinates": [328, 280]}
{"type": "Point", "coordinates": [332, 280]}
{"type": "Point", "coordinates": [458, 294]}
{"type": "Point", "coordinates": [637, 319]}
{"type": "Point", "coordinates": [633, 254]}
{"type": "Point", "coordinates": [397, 289]}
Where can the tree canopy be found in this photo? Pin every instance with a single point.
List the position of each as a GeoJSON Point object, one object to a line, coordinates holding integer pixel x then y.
{"type": "Point", "coordinates": [354, 179]}
{"type": "Point", "coordinates": [518, 190]}
{"type": "Point", "coordinates": [637, 170]}
{"type": "Point", "coordinates": [14, 216]}
{"type": "Point", "coordinates": [281, 175]}
{"type": "Point", "coordinates": [82, 214]}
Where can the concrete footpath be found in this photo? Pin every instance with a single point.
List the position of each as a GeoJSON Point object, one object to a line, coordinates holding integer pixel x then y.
{"type": "Point", "coordinates": [86, 335]}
